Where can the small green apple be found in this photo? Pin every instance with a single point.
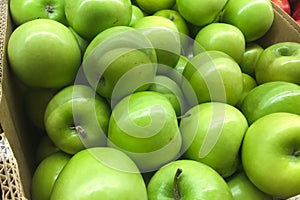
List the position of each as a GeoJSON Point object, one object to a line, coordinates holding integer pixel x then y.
{"type": "Point", "coordinates": [45, 148]}
{"type": "Point", "coordinates": [187, 179]}
{"type": "Point", "coordinates": [176, 73]}
{"type": "Point", "coordinates": [81, 41]}
{"type": "Point", "coordinates": [151, 6]}
{"type": "Point", "coordinates": [222, 37]}
{"type": "Point", "coordinates": [90, 17]}
{"type": "Point", "coordinates": [250, 58]}
{"type": "Point", "coordinates": [249, 83]}
{"type": "Point", "coordinates": [44, 53]}
{"type": "Point", "coordinates": [24, 11]}
{"type": "Point", "coordinates": [243, 14]}
{"type": "Point", "coordinates": [46, 173]}
{"type": "Point", "coordinates": [243, 189]}
{"type": "Point", "coordinates": [270, 154]}
{"type": "Point", "coordinates": [77, 118]}
{"type": "Point", "coordinates": [279, 62]}
{"type": "Point", "coordinates": [99, 173]}
{"type": "Point", "coordinates": [144, 126]}
{"type": "Point", "coordinates": [212, 134]}
{"type": "Point", "coordinates": [210, 10]}
{"type": "Point", "coordinates": [270, 97]}
{"type": "Point", "coordinates": [137, 14]}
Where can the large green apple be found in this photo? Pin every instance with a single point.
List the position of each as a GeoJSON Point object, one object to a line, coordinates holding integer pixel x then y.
{"type": "Point", "coordinates": [25, 10]}
{"type": "Point", "coordinates": [213, 76]}
{"type": "Point", "coordinates": [185, 180]}
{"type": "Point", "coordinates": [144, 126]}
{"type": "Point", "coordinates": [212, 133]}
{"type": "Point", "coordinates": [90, 17]}
{"type": "Point", "coordinates": [119, 61]}
{"type": "Point", "coordinates": [267, 98]}
{"type": "Point", "coordinates": [222, 37]}
{"type": "Point", "coordinates": [279, 62]}
{"type": "Point", "coordinates": [164, 36]}
{"type": "Point", "coordinates": [270, 154]}
{"type": "Point", "coordinates": [151, 6]}
{"type": "Point", "coordinates": [250, 58]}
{"type": "Point", "coordinates": [77, 118]}
{"type": "Point", "coordinates": [46, 173]}
{"type": "Point", "coordinates": [243, 14]}
{"type": "Point", "coordinates": [243, 189]}
{"type": "Point", "coordinates": [200, 12]}
{"type": "Point", "coordinates": [44, 53]}
{"type": "Point", "coordinates": [100, 173]}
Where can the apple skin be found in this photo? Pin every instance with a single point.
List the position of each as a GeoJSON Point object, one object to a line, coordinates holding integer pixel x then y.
{"type": "Point", "coordinates": [239, 13]}
{"type": "Point", "coordinates": [152, 6]}
{"type": "Point", "coordinates": [212, 134]}
{"type": "Point", "coordinates": [222, 37]}
{"type": "Point", "coordinates": [45, 148]}
{"type": "Point", "coordinates": [144, 126]}
{"type": "Point", "coordinates": [212, 76]}
{"type": "Point", "coordinates": [81, 41]}
{"type": "Point", "coordinates": [46, 173]}
{"type": "Point", "coordinates": [267, 98]}
{"type": "Point", "coordinates": [165, 38]}
{"type": "Point", "coordinates": [100, 173]}
{"type": "Point", "coordinates": [81, 15]}
{"type": "Point", "coordinates": [77, 118]}
{"type": "Point", "coordinates": [51, 65]}
{"type": "Point", "coordinates": [270, 154]}
{"type": "Point", "coordinates": [250, 58]}
{"type": "Point", "coordinates": [209, 11]}
{"type": "Point", "coordinates": [137, 14]}
{"type": "Point", "coordinates": [24, 11]}
{"type": "Point", "coordinates": [197, 181]}
{"type": "Point", "coordinates": [243, 189]}
{"type": "Point", "coordinates": [284, 5]}
{"type": "Point", "coordinates": [249, 83]}
{"type": "Point", "coordinates": [279, 62]}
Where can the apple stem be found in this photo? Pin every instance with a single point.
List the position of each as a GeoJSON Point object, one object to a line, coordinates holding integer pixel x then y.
{"type": "Point", "coordinates": [79, 130]}
{"type": "Point", "coordinates": [49, 8]}
{"type": "Point", "coordinates": [183, 116]}
{"type": "Point", "coordinates": [176, 192]}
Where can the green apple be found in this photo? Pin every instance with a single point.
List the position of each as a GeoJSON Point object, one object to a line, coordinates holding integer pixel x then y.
{"type": "Point", "coordinates": [151, 6]}
{"type": "Point", "coordinates": [279, 62]}
{"type": "Point", "coordinates": [90, 17]}
{"type": "Point", "coordinates": [176, 73]}
{"type": "Point", "coordinates": [212, 133]}
{"type": "Point", "coordinates": [270, 154]}
{"type": "Point", "coordinates": [144, 126]}
{"type": "Point", "coordinates": [45, 148]}
{"type": "Point", "coordinates": [187, 179]}
{"type": "Point", "coordinates": [250, 58]}
{"type": "Point", "coordinates": [23, 11]}
{"type": "Point", "coordinates": [119, 61]}
{"type": "Point", "coordinates": [44, 53]}
{"type": "Point", "coordinates": [172, 91]}
{"type": "Point", "coordinates": [222, 37]}
{"type": "Point", "coordinates": [243, 189]}
{"type": "Point", "coordinates": [267, 98]}
{"type": "Point", "coordinates": [77, 118]}
{"type": "Point", "coordinates": [46, 173]}
{"type": "Point", "coordinates": [137, 14]}
{"type": "Point", "coordinates": [213, 76]}
{"type": "Point", "coordinates": [36, 100]}
{"type": "Point", "coordinates": [209, 12]}
{"type": "Point", "coordinates": [164, 36]}
{"type": "Point", "coordinates": [100, 173]}
{"type": "Point", "coordinates": [81, 41]}
{"type": "Point", "coordinates": [249, 83]}
{"type": "Point", "coordinates": [243, 14]}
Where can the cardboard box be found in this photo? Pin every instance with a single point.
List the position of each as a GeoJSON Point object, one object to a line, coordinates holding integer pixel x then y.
{"type": "Point", "coordinates": [17, 137]}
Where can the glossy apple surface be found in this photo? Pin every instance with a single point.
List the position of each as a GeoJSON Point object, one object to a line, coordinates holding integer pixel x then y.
{"type": "Point", "coordinates": [144, 126]}
{"type": "Point", "coordinates": [100, 173]}
{"type": "Point", "coordinates": [239, 13]}
{"type": "Point", "coordinates": [249, 83]}
{"type": "Point", "coordinates": [151, 6]}
{"type": "Point", "coordinates": [267, 98]}
{"type": "Point", "coordinates": [49, 56]}
{"type": "Point", "coordinates": [195, 181]}
{"type": "Point", "coordinates": [270, 154]}
{"type": "Point", "coordinates": [137, 14]}
{"type": "Point", "coordinates": [90, 17]}
{"type": "Point", "coordinates": [212, 134]}
{"type": "Point", "coordinates": [279, 62]}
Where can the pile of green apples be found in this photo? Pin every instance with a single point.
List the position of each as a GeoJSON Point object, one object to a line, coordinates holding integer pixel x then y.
{"type": "Point", "coordinates": [158, 99]}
